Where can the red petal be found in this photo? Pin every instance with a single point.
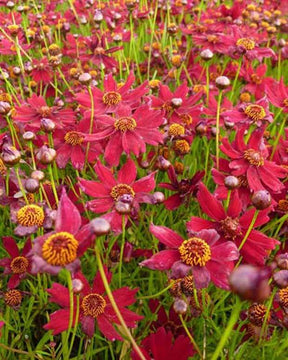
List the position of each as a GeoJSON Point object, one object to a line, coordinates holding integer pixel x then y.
{"type": "Point", "coordinates": [162, 261]}
{"type": "Point", "coordinates": [59, 321]}
{"type": "Point", "coordinates": [68, 217]}
{"type": "Point", "coordinates": [166, 236]}
{"type": "Point", "coordinates": [10, 246]}
{"type": "Point", "coordinates": [127, 174]}
{"type": "Point", "coordinates": [209, 204]}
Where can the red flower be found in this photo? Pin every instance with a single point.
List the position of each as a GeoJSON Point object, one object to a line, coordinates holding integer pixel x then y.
{"type": "Point", "coordinates": [41, 71]}
{"type": "Point", "coordinates": [128, 132]}
{"type": "Point", "coordinates": [37, 109]}
{"type": "Point", "coordinates": [18, 264]}
{"type": "Point", "coordinates": [109, 191]}
{"type": "Point", "coordinates": [62, 247]}
{"type": "Point", "coordinates": [251, 160]}
{"type": "Point", "coordinates": [109, 100]}
{"type": "Point", "coordinates": [278, 95]}
{"type": "Point", "coordinates": [232, 225]}
{"type": "Point", "coordinates": [160, 346]}
{"type": "Point", "coordinates": [199, 254]}
{"type": "Point", "coordinates": [94, 306]}
{"type": "Point", "coordinates": [186, 188]}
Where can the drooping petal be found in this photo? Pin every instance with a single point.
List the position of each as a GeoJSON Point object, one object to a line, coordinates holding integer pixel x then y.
{"type": "Point", "coordinates": [59, 321]}
{"type": "Point", "coordinates": [166, 236]}
{"type": "Point", "coordinates": [209, 204]}
{"type": "Point", "coordinates": [68, 217]}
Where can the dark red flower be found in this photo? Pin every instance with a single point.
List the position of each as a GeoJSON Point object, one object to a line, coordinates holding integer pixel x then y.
{"type": "Point", "coordinates": [94, 306]}
{"type": "Point", "coordinates": [251, 160]}
{"type": "Point", "coordinates": [201, 255]}
{"type": "Point", "coordinates": [233, 225]}
{"type": "Point", "coordinates": [109, 191]}
{"type": "Point", "coordinates": [185, 188]}
{"type": "Point", "coordinates": [41, 71]}
{"type": "Point", "coordinates": [18, 264]}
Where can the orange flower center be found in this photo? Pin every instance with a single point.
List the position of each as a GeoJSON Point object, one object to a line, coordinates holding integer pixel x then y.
{"type": "Point", "coordinates": [283, 205]}
{"type": "Point", "coordinates": [247, 43]}
{"type": "Point", "coordinates": [99, 51]}
{"type": "Point", "coordinates": [120, 190]}
{"type": "Point", "coordinates": [181, 147]}
{"type": "Point", "coordinates": [2, 168]}
{"type": "Point", "coordinates": [60, 249]}
{"type": "Point", "coordinates": [13, 297]}
{"type": "Point", "coordinates": [255, 112]}
{"type": "Point", "coordinates": [186, 119]}
{"type": "Point", "coordinates": [30, 215]}
{"type": "Point", "coordinates": [285, 102]}
{"type": "Point", "coordinates": [45, 111]}
{"type": "Point", "coordinates": [257, 313]}
{"type": "Point", "coordinates": [111, 98]}
{"type": "Point", "coordinates": [213, 39]}
{"type": "Point", "coordinates": [256, 79]}
{"type": "Point", "coordinates": [93, 305]}
{"type": "Point", "coordinates": [73, 138]}
{"type": "Point", "coordinates": [283, 297]}
{"type": "Point", "coordinates": [125, 123]}
{"type": "Point", "coordinates": [230, 227]}
{"type": "Point", "coordinates": [195, 251]}
{"type": "Point", "coordinates": [19, 265]}
{"type": "Point", "coordinates": [254, 157]}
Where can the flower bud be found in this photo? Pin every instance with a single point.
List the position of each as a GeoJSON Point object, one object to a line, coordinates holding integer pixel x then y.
{"type": "Point", "coordinates": [261, 199]}
{"type": "Point", "coordinates": [100, 226]}
{"type": "Point", "coordinates": [47, 125]}
{"type": "Point", "coordinates": [16, 71]}
{"type": "Point", "coordinates": [10, 155]}
{"type": "Point", "coordinates": [98, 16]}
{"type": "Point", "coordinates": [176, 102]}
{"type": "Point", "coordinates": [222, 82]}
{"type": "Point", "coordinates": [206, 54]}
{"type": "Point", "coordinates": [281, 278]}
{"type": "Point", "coordinates": [38, 175]}
{"type": "Point", "coordinates": [282, 261]}
{"type": "Point", "coordinates": [250, 283]}
{"type": "Point", "coordinates": [32, 185]}
{"type": "Point", "coordinates": [158, 197]}
{"type": "Point", "coordinates": [85, 78]}
{"type": "Point", "coordinates": [123, 208]}
{"type": "Point", "coordinates": [77, 286]}
{"type": "Point", "coordinates": [231, 182]}
{"type": "Point", "coordinates": [5, 107]}
{"type": "Point", "coordinates": [46, 155]}
{"type": "Point", "coordinates": [29, 136]}
{"type": "Point", "coordinates": [180, 306]}
{"type": "Point", "coordinates": [162, 163]}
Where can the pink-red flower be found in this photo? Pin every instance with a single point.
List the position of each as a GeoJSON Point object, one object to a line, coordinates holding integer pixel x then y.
{"type": "Point", "coordinates": [109, 192]}
{"type": "Point", "coordinates": [94, 307]}
{"type": "Point", "coordinates": [200, 254]}
{"type": "Point", "coordinates": [18, 263]}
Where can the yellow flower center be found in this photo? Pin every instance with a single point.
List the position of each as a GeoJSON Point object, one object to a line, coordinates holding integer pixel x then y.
{"type": "Point", "coordinates": [195, 251]}
{"type": "Point", "coordinates": [2, 168]}
{"type": "Point", "coordinates": [60, 249]}
{"type": "Point", "coordinates": [30, 215]}
{"type": "Point", "coordinates": [13, 297]}
{"type": "Point", "coordinates": [186, 119]}
{"type": "Point", "coordinates": [247, 43]}
{"type": "Point", "coordinates": [254, 157]}
{"type": "Point", "coordinates": [125, 123]}
{"type": "Point", "coordinates": [111, 98]}
{"type": "Point", "coordinates": [257, 313]}
{"type": "Point", "coordinates": [255, 112]}
{"type": "Point", "coordinates": [181, 147]}
{"type": "Point", "coordinates": [120, 190]}
{"type": "Point", "coordinates": [256, 79]}
{"type": "Point", "coordinates": [93, 305]}
{"type": "Point", "coordinates": [176, 130]}
{"type": "Point", "coordinates": [73, 138]}
{"type": "Point", "coordinates": [245, 97]}
{"type": "Point", "coordinates": [19, 265]}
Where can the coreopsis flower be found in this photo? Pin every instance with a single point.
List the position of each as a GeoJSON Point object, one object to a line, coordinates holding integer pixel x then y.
{"type": "Point", "coordinates": [176, 105]}
{"type": "Point", "coordinates": [278, 95]}
{"type": "Point", "coordinates": [109, 193]}
{"type": "Point", "coordinates": [70, 144]}
{"type": "Point", "coordinates": [41, 71]}
{"type": "Point", "coordinates": [109, 100]}
{"type": "Point", "coordinates": [199, 255]}
{"type": "Point", "coordinates": [249, 113]}
{"type": "Point", "coordinates": [232, 224]}
{"type": "Point", "coordinates": [35, 109]}
{"type": "Point", "coordinates": [62, 247]}
{"type": "Point", "coordinates": [251, 160]}
{"type": "Point", "coordinates": [94, 307]}
{"type": "Point", "coordinates": [128, 132]}
{"type": "Point", "coordinates": [185, 188]}
{"type": "Point", "coordinates": [160, 346]}
{"type": "Point", "coordinates": [18, 264]}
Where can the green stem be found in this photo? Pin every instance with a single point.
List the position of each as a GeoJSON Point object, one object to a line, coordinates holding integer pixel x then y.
{"type": "Point", "coordinates": [232, 321]}
{"type": "Point", "coordinates": [49, 166]}
{"type": "Point", "coordinates": [122, 250]}
{"type": "Point", "coordinates": [236, 78]}
{"type": "Point", "coordinates": [278, 137]}
{"type": "Point", "coordinates": [158, 293]}
{"type": "Point", "coordinates": [20, 184]}
{"type": "Point", "coordinates": [190, 336]}
{"type": "Point", "coordinates": [249, 229]}
{"type": "Point", "coordinates": [218, 128]}
{"type": "Point", "coordinates": [91, 124]}
{"type": "Point", "coordinates": [114, 304]}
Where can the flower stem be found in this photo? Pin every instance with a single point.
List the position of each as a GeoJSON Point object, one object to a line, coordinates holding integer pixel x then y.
{"type": "Point", "coordinates": [249, 229]}
{"type": "Point", "coordinates": [235, 79]}
{"type": "Point", "coordinates": [158, 293]}
{"type": "Point", "coordinates": [20, 184]}
{"type": "Point", "coordinates": [218, 128]}
{"type": "Point", "coordinates": [232, 321]}
{"type": "Point", "coordinates": [122, 250]}
{"type": "Point", "coordinates": [53, 183]}
{"type": "Point", "coordinates": [190, 336]}
{"type": "Point", "coordinates": [278, 138]}
{"type": "Point", "coordinates": [91, 124]}
{"type": "Point", "coordinates": [114, 305]}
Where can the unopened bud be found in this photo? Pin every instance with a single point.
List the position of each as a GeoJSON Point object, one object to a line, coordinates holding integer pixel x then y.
{"type": "Point", "coordinates": [180, 306]}
{"type": "Point", "coordinates": [47, 125]}
{"type": "Point", "coordinates": [206, 54]}
{"type": "Point", "coordinates": [222, 82]}
{"type": "Point", "coordinates": [122, 208]}
{"type": "Point", "coordinates": [10, 155]}
{"type": "Point", "coordinates": [261, 199]}
{"type": "Point", "coordinates": [32, 185]}
{"type": "Point", "coordinates": [46, 155]}
{"type": "Point", "coordinates": [231, 182]}
{"type": "Point", "coordinates": [38, 175]}
{"type": "Point", "coordinates": [100, 226]}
